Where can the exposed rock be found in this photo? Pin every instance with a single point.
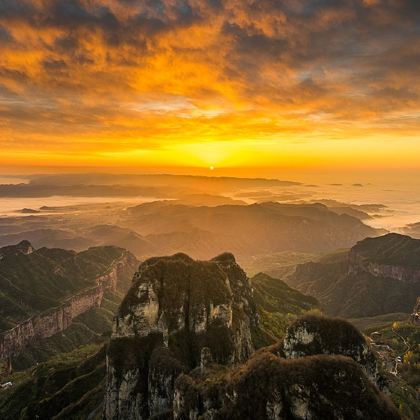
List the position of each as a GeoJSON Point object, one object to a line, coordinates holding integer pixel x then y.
{"type": "Point", "coordinates": [377, 276]}
{"type": "Point", "coordinates": [415, 316]}
{"type": "Point", "coordinates": [58, 319]}
{"type": "Point", "coordinates": [184, 306]}
{"type": "Point", "coordinates": [23, 247]}
{"type": "Point", "coordinates": [184, 328]}
{"type": "Point", "coordinates": [313, 335]}
{"type": "Point", "coordinates": [268, 387]}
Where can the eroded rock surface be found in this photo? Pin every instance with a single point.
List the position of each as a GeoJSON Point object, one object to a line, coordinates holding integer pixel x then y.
{"type": "Point", "coordinates": [175, 308]}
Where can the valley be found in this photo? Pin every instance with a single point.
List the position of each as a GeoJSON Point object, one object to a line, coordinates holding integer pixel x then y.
{"type": "Point", "coordinates": [88, 335]}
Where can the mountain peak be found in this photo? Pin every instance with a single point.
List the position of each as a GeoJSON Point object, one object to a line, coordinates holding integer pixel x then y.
{"type": "Point", "coordinates": [24, 247]}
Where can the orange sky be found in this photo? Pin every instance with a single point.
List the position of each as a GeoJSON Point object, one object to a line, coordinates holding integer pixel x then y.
{"type": "Point", "coordinates": [200, 83]}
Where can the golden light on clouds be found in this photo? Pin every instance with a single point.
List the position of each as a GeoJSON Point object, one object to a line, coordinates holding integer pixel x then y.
{"type": "Point", "coordinates": [209, 83]}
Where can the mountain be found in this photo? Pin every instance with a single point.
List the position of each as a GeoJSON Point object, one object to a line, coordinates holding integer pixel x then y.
{"type": "Point", "coordinates": [184, 327]}
{"type": "Point", "coordinates": [47, 237]}
{"type": "Point", "coordinates": [175, 308]}
{"type": "Point", "coordinates": [412, 229]}
{"type": "Point", "coordinates": [43, 290]}
{"type": "Point", "coordinates": [277, 305]}
{"type": "Point", "coordinates": [80, 239]}
{"type": "Point", "coordinates": [377, 276]}
{"type": "Point", "coordinates": [322, 369]}
{"type": "Point", "coordinates": [246, 230]}
{"type": "Point", "coordinates": [183, 346]}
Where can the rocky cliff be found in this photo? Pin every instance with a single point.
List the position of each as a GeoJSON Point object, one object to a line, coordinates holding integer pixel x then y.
{"type": "Point", "coordinates": [182, 348]}
{"type": "Point", "coordinates": [314, 335]}
{"type": "Point", "coordinates": [176, 309]}
{"type": "Point", "coordinates": [268, 387]}
{"type": "Point", "coordinates": [377, 276]}
{"type": "Point", "coordinates": [391, 256]}
{"type": "Point", "coordinates": [54, 320]}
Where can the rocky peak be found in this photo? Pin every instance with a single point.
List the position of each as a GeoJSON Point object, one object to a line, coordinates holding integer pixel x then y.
{"type": "Point", "coordinates": [183, 306]}
{"type": "Point", "coordinates": [22, 248]}
{"type": "Point", "coordinates": [313, 335]}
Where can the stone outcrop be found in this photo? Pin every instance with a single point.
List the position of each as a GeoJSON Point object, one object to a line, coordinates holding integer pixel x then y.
{"type": "Point", "coordinates": [182, 348]}
{"type": "Point", "coordinates": [415, 315]}
{"type": "Point", "coordinates": [23, 247]}
{"type": "Point", "coordinates": [57, 319]}
{"type": "Point", "coordinates": [268, 387]}
{"type": "Point", "coordinates": [377, 276]}
{"type": "Point", "coordinates": [314, 335]}
{"type": "Point", "coordinates": [358, 263]}
{"type": "Point", "coordinates": [176, 308]}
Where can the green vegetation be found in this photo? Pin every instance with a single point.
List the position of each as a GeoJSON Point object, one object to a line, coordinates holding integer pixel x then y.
{"type": "Point", "coordinates": [93, 326]}
{"type": "Point", "coordinates": [68, 386]}
{"type": "Point", "coordinates": [346, 286]}
{"type": "Point", "coordinates": [278, 306]}
{"type": "Point", "coordinates": [373, 323]}
{"type": "Point", "coordinates": [276, 264]}
{"type": "Point", "coordinates": [327, 386]}
{"type": "Point", "coordinates": [391, 249]}
{"type": "Point", "coordinates": [36, 282]}
{"type": "Point", "coordinates": [398, 338]}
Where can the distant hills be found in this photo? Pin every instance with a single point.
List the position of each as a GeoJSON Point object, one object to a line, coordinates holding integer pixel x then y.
{"type": "Point", "coordinates": [170, 226]}
{"type": "Point", "coordinates": [377, 276]}
{"type": "Point", "coordinates": [255, 229]}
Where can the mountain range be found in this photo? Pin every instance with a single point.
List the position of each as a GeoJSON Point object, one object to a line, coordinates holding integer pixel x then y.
{"type": "Point", "coordinates": [198, 338]}
{"type": "Point", "coordinates": [376, 276]}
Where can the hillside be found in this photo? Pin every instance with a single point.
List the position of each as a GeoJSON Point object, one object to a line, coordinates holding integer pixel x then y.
{"type": "Point", "coordinates": [377, 276]}
{"type": "Point", "coordinates": [183, 344]}
{"type": "Point", "coordinates": [32, 281]}
{"type": "Point", "coordinates": [277, 306]}
{"type": "Point", "coordinates": [43, 292]}
{"type": "Point", "coordinates": [246, 230]}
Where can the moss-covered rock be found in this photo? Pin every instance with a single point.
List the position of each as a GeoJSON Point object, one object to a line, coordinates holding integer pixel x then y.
{"type": "Point", "coordinates": [268, 387]}
{"type": "Point", "coordinates": [312, 335]}
{"type": "Point", "coordinates": [190, 305]}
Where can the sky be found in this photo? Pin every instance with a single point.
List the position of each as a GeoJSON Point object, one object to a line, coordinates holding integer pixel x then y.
{"type": "Point", "coordinates": [242, 85]}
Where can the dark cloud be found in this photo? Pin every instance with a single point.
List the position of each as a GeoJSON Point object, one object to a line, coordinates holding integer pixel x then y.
{"type": "Point", "coordinates": [334, 59]}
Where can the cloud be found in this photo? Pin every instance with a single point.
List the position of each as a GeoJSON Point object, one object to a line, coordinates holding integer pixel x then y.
{"type": "Point", "coordinates": [77, 72]}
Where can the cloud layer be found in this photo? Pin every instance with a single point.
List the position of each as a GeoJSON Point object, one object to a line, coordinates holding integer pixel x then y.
{"type": "Point", "coordinates": [86, 79]}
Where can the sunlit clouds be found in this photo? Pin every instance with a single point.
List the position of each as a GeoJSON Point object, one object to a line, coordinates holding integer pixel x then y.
{"type": "Point", "coordinates": [210, 82]}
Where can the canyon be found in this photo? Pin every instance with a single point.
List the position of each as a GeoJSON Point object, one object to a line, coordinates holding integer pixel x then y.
{"type": "Point", "coordinates": [376, 276]}
{"type": "Point", "coordinates": [57, 319]}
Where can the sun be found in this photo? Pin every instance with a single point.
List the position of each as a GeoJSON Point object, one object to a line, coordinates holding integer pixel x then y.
{"type": "Point", "coordinates": [211, 168]}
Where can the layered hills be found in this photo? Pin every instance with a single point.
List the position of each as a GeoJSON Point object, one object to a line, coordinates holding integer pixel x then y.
{"type": "Point", "coordinates": [376, 276]}
{"type": "Point", "coordinates": [44, 290]}
{"type": "Point", "coordinates": [198, 339]}
{"type": "Point", "coordinates": [246, 230]}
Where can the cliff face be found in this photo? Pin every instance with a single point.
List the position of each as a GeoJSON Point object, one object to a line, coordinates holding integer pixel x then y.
{"type": "Point", "coordinates": [358, 263]}
{"type": "Point", "coordinates": [182, 348]}
{"type": "Point", "coordinates": [322, 369]}
{"type": "Point", "coordinates": [55, 320]}
{"type": "Point", "coordinates": [271, 388]}
{"type": "Point", "coordinates": [312, 335]}
{"type": "Point", "coordinates": [177, 311]}
{"type": "Point", "coordinates": [377, 276]}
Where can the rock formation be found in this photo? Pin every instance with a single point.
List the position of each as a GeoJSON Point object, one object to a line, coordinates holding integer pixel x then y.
{"type": "Point", "coordinates": [176, 308]}
{"type": "Point", "coordinates": [182, 347]}
{"type": "Point", "coordinates": [415, 316]}
{"type": "Point", "coordinates": [269, 387]}
{"type": "Point", "coordinates": [377, 276]}
{"type": "Point", "coordinates": [57, 319]}
{"type": "Point", "coordinates": [314, 335]}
